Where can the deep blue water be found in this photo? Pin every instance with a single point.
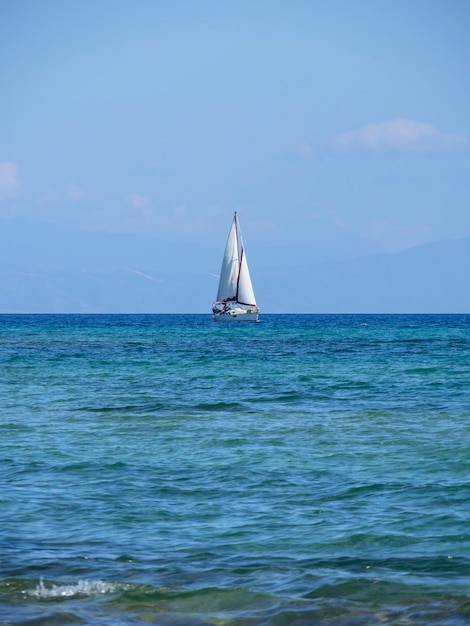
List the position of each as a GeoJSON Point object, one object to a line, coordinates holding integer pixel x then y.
{"type": "Point", "coordinates": [169, 470]}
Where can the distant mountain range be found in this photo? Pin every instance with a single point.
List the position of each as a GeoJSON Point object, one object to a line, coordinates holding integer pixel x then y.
{"type": "Point", "coordinates": [27, 242]}
{"type": "Point", "coordinates": [48, 269]}
{"type": "Point", "coordinates": [432, 278]}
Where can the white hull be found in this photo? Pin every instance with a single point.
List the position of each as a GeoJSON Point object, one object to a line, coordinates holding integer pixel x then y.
{"type": "Point", "coordinates": [237, 315]}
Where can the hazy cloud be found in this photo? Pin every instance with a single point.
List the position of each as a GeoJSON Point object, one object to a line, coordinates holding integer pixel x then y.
{"type": "Point", "coordinates": [304, 150]}
{"type": "Point", "coordinates": [393, 237]}
{"type": "Point", "coordinates": [53, 196]}
{"type": "Point", "coordinates": [180, 211]}
{"type": "Point", "coordinates": [401, 134]}
{"type": "Point", "coordinates": [136, 218]}
{"type": "Point", "coordinates": [74, 192]}
{"type": "Point", "coordinates": [9, 181]}
{"type": "Point", "coordinates": [138, 201]}
{"type": "Point", "coordinates": [147, 276]}
{"type": "Point", "coordinates": [329, 216]}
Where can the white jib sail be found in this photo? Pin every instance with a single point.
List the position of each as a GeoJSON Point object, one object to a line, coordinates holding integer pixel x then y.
{"type": "Point", "coordinates": [246, 295]}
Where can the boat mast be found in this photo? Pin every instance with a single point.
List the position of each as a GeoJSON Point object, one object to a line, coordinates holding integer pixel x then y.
{"type": "Point", "coordinates": [239, 253]}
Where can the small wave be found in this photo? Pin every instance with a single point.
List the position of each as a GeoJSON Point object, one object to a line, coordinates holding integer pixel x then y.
{"type": "Point", "coordinates": [217, 406]}
{"type": "Point", "coordinates": [79, 589]}
{"type": "Point", "coordinates": [421, 370]}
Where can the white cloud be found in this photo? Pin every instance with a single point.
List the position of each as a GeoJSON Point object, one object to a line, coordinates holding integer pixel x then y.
{"type": "Point", "coordinates": [9, 181]}
{"type": "Point", "coordinates": [402, 135]}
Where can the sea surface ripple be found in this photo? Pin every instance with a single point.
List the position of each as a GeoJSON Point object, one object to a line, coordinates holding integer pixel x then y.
{"type": "Point", "coordinates": [165, 469]}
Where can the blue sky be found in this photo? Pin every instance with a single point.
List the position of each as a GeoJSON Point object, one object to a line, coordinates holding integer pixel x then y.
{"type": "Point", "coordinates": [334, 128]}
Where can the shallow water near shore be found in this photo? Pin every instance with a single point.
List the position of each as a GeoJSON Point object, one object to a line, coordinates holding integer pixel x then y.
{"type": "Point", "coordinates": [164, 469]}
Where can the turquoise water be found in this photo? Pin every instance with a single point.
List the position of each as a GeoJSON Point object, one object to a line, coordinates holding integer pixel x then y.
{"type": "Point", "coordinates": [170, 470]}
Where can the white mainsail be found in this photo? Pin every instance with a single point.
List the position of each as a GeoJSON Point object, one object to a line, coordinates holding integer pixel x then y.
{"type": "Point", "coordinates": [235, 281]}
{"type": "Point", "coordinates": [229, 270]}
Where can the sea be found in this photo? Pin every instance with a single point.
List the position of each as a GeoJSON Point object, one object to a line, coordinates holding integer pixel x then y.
{"type": "Point", "coordinates": [171, 470]}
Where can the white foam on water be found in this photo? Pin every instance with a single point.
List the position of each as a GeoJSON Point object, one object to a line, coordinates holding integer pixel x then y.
{"type": "Point", "coordinates": [81, 588]}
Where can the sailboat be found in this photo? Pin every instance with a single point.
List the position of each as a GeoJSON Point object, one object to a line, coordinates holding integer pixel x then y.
{"type": "Point", "coordinates": [236, 300]}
